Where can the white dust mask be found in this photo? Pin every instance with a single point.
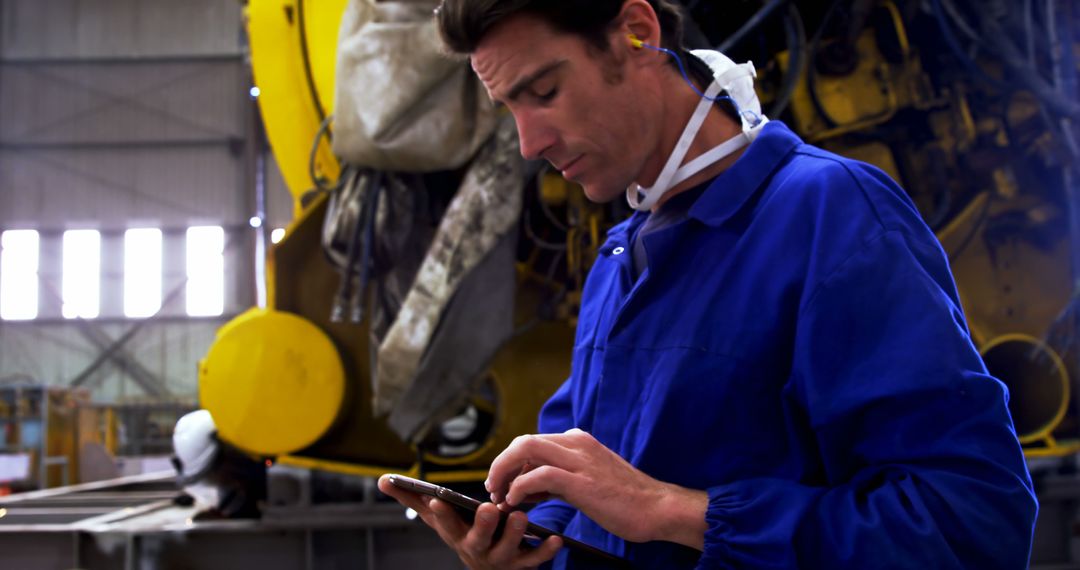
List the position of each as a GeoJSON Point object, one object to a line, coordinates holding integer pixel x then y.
{"type": "Point", "coordinates": [738, 82]}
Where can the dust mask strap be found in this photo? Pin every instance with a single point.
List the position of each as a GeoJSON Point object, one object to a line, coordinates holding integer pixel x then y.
{"type": "Point", "coordinates": [643, 199]}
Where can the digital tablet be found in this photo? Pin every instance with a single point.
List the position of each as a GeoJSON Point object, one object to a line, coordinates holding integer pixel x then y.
{"type": "Point", "coordinates": [467, 507]}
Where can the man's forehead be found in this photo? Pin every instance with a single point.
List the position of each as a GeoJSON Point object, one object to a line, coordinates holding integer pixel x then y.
{"type": "Point", "coordinates": [515, 49]}
{"type": "Point", "coordinates": [507, 79]}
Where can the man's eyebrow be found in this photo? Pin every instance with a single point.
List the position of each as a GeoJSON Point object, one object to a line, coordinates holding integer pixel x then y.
{"type": "Point", "coordinates": [523, 83]}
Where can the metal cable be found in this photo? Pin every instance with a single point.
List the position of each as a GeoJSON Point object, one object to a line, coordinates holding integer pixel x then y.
{"type": "Point", "coordinates": [795, 33]}
{"type": "Point", "coordinates": [750, 25]}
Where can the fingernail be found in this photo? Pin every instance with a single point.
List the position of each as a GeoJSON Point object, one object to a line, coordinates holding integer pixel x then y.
{"type": "Point", "coordinates": [519, 523]}
{"type": "Point", "coordinates": [487, 484]}
{"type": "Point", "coordinates": [494, 498]}
{"type": "Point", "coordinates": [487, 517]}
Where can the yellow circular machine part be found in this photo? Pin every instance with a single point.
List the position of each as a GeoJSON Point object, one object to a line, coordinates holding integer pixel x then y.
{"type": "Point", "coordinates": [272, 381]}
{"type": "Point", "coordinates": [1037, 380]}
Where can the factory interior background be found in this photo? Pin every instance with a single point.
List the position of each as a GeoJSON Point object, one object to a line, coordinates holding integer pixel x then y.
{"type": "Point", "coordinates": [190, 228]}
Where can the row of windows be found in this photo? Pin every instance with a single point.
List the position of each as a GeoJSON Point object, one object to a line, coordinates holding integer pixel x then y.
{"type": "Point", "coordinates": [81, 281]}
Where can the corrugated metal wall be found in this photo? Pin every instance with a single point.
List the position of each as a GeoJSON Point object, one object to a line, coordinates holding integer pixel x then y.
{"type": "Point", "coordinates": [170, 351]}
{"type": "Point", "coordinates": [119, 28]}
{"type": "Point", "coordinates": [117, 114]}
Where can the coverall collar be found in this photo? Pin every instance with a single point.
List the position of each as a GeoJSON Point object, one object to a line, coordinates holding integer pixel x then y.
{"type": "Point", "coordinates": [733, 187]}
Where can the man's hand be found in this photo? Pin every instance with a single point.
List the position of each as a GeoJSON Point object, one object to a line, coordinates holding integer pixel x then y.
{"type": "Point", "coordinates": [474, 544]}
{"type": "Point", "coordinates": [576, 468]}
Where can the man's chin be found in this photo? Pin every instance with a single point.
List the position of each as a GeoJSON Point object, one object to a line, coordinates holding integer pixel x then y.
{"type": "Point", "coordinates": [602, 193]}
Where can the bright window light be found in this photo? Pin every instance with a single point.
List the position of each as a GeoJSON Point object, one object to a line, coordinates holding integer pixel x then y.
{"type": "Point", "coordinates": [18, 275]}
{"type": "Point", "coordinates": [81, 289]}
{"type": "Point", "coordinates": [205, 271]}
{"type": "Point", "coordinates": [277, 234]}
{"type": "Point", "coordinates": [142, 272]}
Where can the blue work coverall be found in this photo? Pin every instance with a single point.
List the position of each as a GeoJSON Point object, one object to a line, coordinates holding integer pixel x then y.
{"type": "Point", "coordinates": [797, 349]}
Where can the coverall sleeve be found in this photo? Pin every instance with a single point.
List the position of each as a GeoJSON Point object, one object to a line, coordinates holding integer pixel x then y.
{"type": "Point", "coordinates": [555, 417]}
{"type": "Point", "coordinates": [921, 467]}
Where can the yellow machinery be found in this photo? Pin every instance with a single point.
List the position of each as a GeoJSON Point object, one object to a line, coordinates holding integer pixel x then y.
{"type": "Point", "coordinates": [52, 428]}
{"type": "Point", "coordinates": [287, 383]}
{"type": "Point", "coordinates": [979, 160]}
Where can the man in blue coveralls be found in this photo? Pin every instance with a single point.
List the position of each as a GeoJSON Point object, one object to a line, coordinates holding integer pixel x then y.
{"type": "Point", "coordinates": [771, 367]}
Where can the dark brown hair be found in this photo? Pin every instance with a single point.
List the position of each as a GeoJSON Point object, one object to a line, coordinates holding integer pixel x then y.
{"type": "Point", "coordinates": [463, 23]}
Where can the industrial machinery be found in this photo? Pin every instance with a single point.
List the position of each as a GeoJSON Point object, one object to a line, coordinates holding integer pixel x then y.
{"type": "Point", "coordinates": [40, 427]}
{"type": "Point", "coordinates": [292, 382]}
{"type": "Point", "coordinates": [969, 107]}
{"type": "Point", "coordinates": [53, 436]}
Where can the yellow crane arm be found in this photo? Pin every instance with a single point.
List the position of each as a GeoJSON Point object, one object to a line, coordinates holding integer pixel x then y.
{"type": "Point", "coordinates": [293, 55]}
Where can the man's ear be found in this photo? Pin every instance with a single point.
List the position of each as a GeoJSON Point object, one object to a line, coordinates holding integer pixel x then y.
{"type": "Point", "coordinates": [637, 19]}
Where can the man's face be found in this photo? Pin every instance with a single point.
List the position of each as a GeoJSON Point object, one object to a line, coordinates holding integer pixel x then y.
{"type": "Point", "coordinates": [579, 109]}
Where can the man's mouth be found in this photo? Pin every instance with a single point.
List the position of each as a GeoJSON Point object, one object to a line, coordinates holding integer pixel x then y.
{"type": "Point", "coordinates": [566, 168]}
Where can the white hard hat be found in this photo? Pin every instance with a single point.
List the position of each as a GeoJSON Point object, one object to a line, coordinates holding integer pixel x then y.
{"type": "Point", "coordinates": [195, 444]}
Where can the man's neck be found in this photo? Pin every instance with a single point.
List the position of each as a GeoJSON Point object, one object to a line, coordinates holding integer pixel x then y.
{"type": "Point", "coordinates": [716, 129]}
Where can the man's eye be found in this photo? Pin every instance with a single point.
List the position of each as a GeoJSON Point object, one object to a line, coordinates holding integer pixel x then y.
{"type": "Point", "coordinates": [547, 95]}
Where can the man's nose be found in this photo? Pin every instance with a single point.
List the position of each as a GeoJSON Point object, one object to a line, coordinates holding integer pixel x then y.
{"type": "Point", "coordinates": [534, 135]}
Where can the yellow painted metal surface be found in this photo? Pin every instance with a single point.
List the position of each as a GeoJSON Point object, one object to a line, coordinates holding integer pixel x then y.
{"type": "Point", "coordinates": [1043, 373]}
{"type": "Point", "coordinates": [43, 420]}
{"type": "Point", "coordinates": [289, 102]}
{"type": "Point", "coordinates": [322, 18]}
{"type": "Point", "coordinates": [315, 208]}
{"type": "Point", "coordinates": [1056, 449]}
{"type": "Point", "coordinates": [111, 429]}
{"type": "Point", "coordinates": [273, 381]}
{"type": "Point", "coordinates": [455, 476]}
{"type": "Point", "coordinates": [1030, 281]}
{"type": "Point", "coordinates": [871, 94]}
{"type": "Point", "coordinates": [306, 462]}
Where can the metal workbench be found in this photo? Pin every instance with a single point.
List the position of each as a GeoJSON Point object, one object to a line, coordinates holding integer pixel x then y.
{"type": "Point", "coordinates": [135, 523]}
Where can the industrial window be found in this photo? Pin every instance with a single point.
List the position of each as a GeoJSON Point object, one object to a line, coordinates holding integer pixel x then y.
{"type": "Point", "coordinates": [142, 272]}
{"type": "Point", "coordinates": [81, 290]}
{"type": "Point", "coordinates": [205, 271]}
{"type": "Point", "coordinates": [18, 275]}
